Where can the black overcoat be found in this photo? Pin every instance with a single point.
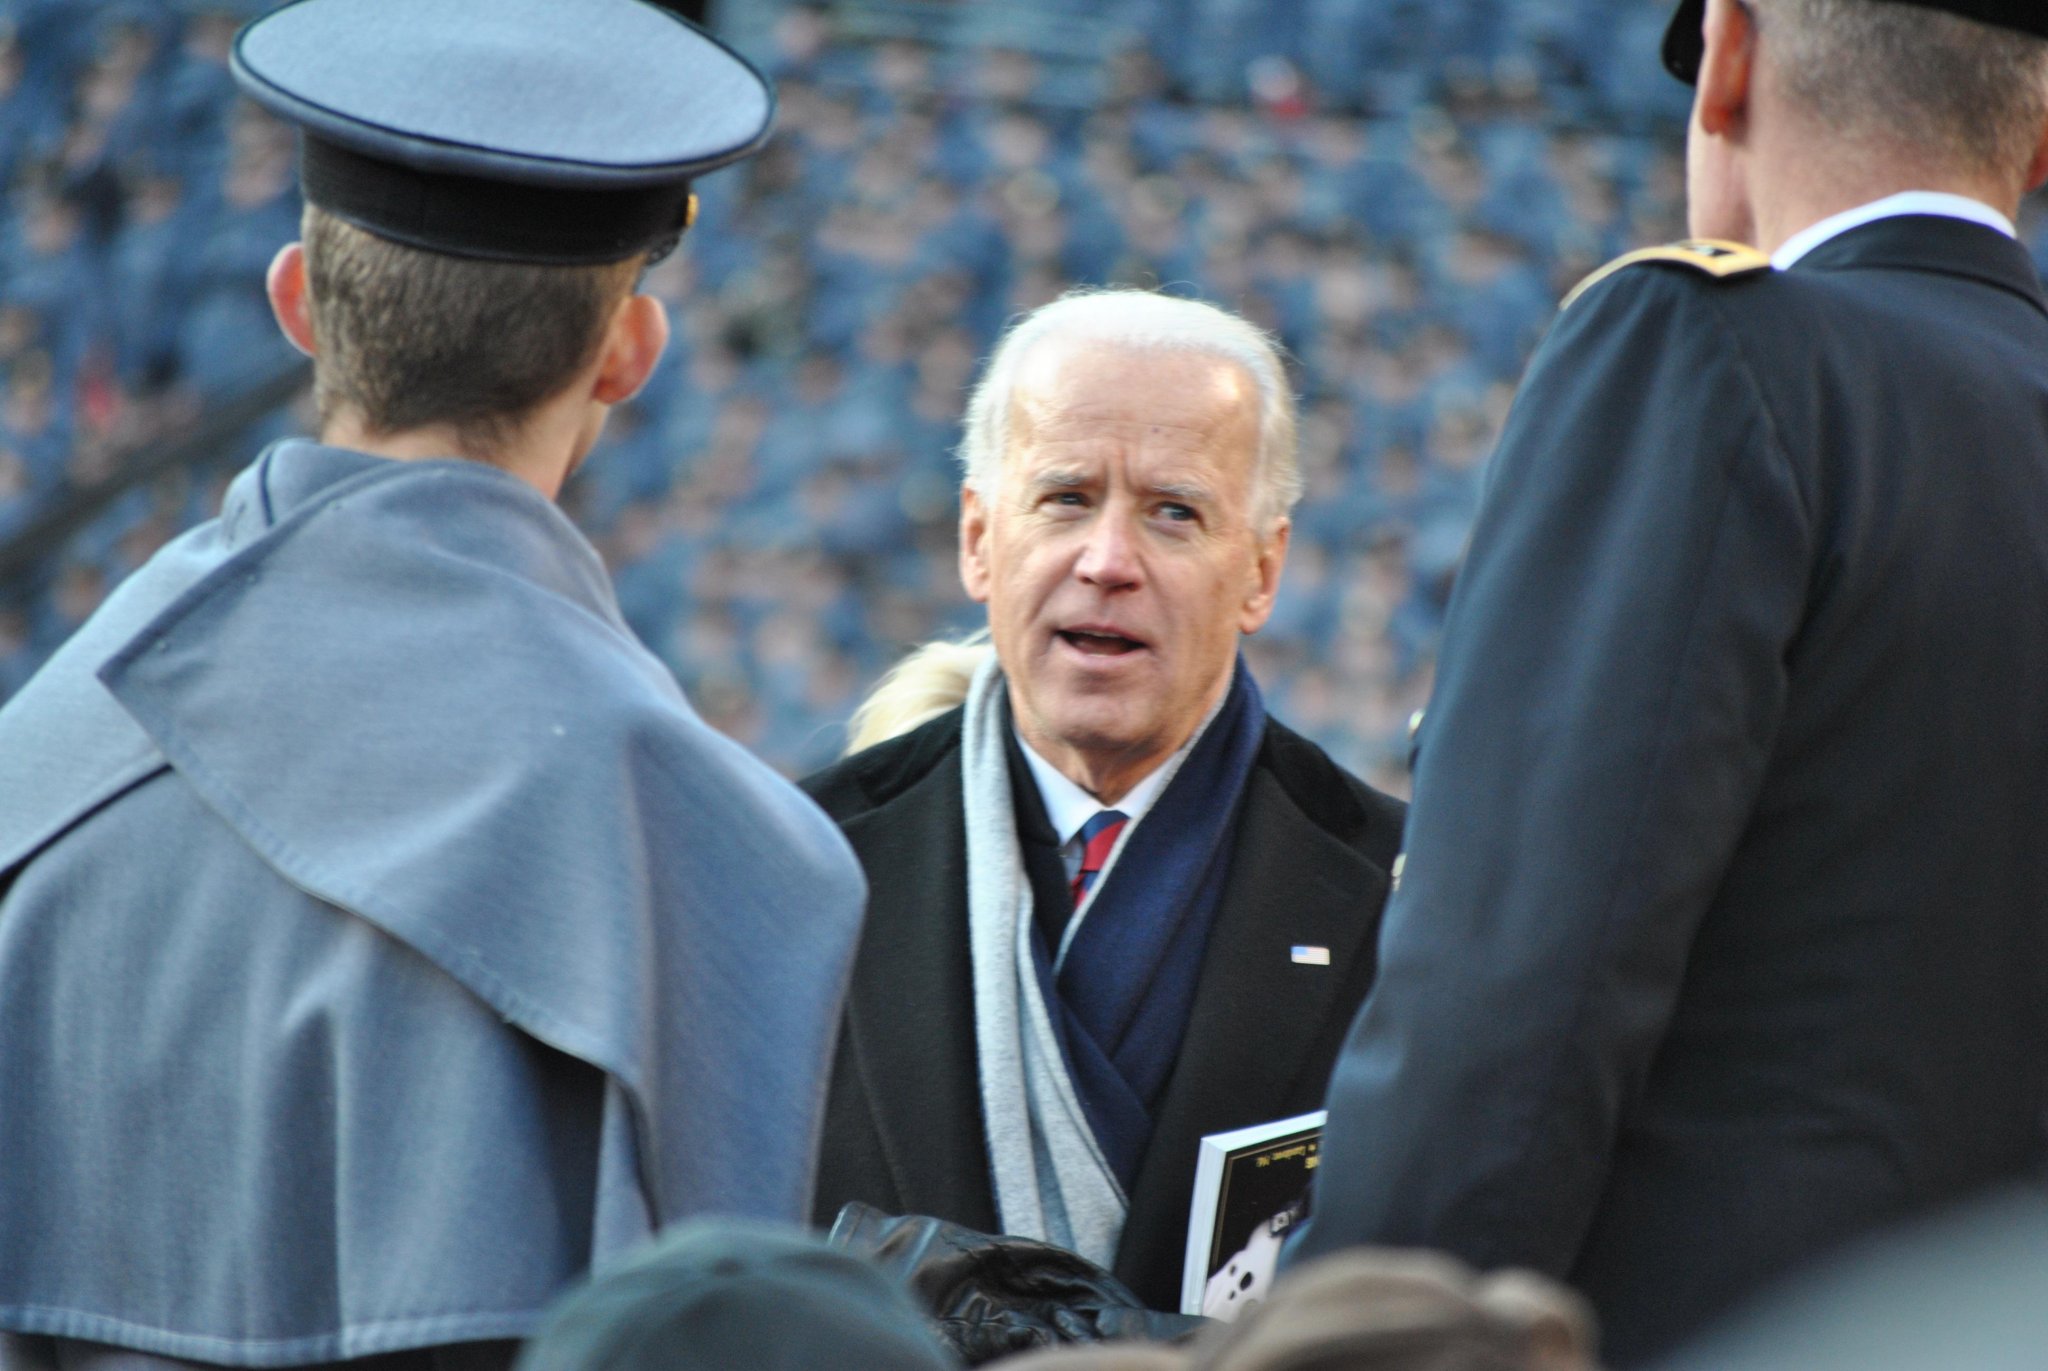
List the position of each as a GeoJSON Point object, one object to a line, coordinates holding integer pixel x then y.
{"type": "Point", "coordinates": [1723, 932]}
{"type": "Point", "coordinates": [903, 1128]}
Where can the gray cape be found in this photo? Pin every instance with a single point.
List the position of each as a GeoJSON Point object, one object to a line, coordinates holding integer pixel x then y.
{"type": "Point", "coordinates": [383, 938]}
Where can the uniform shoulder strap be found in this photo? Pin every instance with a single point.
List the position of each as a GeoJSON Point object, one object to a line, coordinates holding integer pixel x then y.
{"type": "Point", "coordinates": [1710, 256]}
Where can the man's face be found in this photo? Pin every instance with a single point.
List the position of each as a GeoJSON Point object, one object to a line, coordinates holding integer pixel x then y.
{"type": "Point", "coordinates": [1118, 552]}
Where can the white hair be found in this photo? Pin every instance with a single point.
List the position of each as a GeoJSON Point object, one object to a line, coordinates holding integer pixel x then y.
{"type": "Point", "coordinates": [1146, 320]}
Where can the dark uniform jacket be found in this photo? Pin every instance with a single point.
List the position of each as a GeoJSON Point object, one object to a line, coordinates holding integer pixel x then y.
{"type": "Point", "coordinates": [1723, 931]}
{"type": "Point", "coordinates": [903, 1125]}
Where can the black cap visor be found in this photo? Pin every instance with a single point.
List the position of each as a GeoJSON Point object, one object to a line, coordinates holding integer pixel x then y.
{"type": "Point", "coordinates": [502, 221]}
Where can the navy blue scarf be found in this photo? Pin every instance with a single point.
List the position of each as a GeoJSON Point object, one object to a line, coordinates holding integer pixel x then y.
{"type": "Point", "coordinates": [1125, 990]}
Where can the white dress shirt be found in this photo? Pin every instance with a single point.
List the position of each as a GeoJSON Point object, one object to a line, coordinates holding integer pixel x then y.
{"type": "Point", "coordinates": [1905, 202]}
{"type": "Point", "coordinates": [1069, 806]}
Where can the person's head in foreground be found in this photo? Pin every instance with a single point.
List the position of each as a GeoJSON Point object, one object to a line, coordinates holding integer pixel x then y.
{"type": "Point", "coordinates": [1373, 1310]}
{"type": "Point", "coordinates": [731, 1296]}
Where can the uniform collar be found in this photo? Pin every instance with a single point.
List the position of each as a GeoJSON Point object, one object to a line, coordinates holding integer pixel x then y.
{"type": "Point", "coordinates": [287, 475]}
{"type": "Point", "coordinates": [1905, 202]}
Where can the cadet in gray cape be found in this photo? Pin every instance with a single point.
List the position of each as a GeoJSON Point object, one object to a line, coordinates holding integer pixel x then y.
{"type": "Point", "coordinates": [383, 939]}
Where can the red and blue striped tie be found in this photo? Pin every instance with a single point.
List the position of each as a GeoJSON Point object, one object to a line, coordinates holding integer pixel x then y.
{"type": "Point", "coordinates": [1098, 836]}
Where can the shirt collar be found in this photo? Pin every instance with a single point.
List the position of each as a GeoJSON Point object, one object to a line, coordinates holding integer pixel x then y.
{"type": "Point", "coordinates": [1068, 806]}
{"type": "Point", "coordinates": [1905, 202]}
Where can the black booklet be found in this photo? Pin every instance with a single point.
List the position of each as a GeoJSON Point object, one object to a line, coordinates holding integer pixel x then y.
{"type": "Point", "coordinates": [1251, 1188]}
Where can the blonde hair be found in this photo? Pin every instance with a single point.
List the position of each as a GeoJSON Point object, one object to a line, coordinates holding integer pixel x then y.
{"type": "Point", "coordinates": [918, 689]}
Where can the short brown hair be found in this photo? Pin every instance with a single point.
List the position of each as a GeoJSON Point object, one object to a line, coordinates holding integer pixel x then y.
{"type": "Point", "coordinates": [1970, 93]}
{"type": "Point", "coordinates": [407, 339]}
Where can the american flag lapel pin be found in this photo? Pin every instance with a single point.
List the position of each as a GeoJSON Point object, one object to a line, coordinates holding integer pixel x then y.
{"type": "Point", "coordinates": [1307, 955]}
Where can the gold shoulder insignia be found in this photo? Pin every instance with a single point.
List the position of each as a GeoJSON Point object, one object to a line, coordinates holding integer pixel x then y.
{"type": "Point", "coordinates": [1709, 255]}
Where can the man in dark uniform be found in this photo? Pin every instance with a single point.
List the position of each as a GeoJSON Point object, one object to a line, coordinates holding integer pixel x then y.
{"type": "Point", "coordinates": [1723, 929]}
{"type": "Point", "coordinates": [383, 939]}
{"type": "Point", "coordinates": [1115, 906]}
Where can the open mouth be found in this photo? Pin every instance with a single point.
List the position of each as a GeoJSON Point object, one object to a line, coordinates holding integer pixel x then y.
{"type": "Point", "coordinates": [1095, 643]}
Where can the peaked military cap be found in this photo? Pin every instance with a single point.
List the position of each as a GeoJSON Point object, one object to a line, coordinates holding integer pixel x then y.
{"type": "Point", "coordinates": [552, 131]}
{"type": "Point", "coordinates": [1684, 47]}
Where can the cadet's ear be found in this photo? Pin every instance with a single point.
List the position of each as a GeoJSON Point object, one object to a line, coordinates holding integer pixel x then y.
{"type": "Point", "coordinates": [633, 343]}
{"type": "Point", "coordinates": [286, 286]}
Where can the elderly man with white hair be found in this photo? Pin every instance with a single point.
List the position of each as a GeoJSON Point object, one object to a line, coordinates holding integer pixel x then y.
{"type": "Point", "coordinates": [1115, 906]}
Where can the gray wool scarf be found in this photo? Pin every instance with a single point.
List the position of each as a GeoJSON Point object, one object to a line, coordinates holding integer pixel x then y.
{"type": "Point", "coordinates": [1051, 1180]}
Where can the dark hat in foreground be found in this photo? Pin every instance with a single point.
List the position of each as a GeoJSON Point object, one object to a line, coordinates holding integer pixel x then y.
{"type": "Point", "coordinates": [716, 1295]}
{"type": "Point", "coordinates": [1683, 46]}
{"type": "Point", "coordinates": [553, 131]}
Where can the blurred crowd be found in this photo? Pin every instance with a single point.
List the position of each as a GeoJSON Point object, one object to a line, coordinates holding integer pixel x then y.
{"type": "Point", "coordinates": [1400, 191]}
{"type": "Point", "coordinates": [143, 204]}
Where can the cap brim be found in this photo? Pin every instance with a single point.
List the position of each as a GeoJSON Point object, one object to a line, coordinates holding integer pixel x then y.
{"type": "Point", "coordinates": [1684, 42]}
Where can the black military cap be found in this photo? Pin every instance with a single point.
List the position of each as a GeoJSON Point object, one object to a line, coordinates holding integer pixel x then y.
{"type": "Point", "coordinates": [1683, 47]}
{"type": "Point", "coordinates": [554, 131]}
